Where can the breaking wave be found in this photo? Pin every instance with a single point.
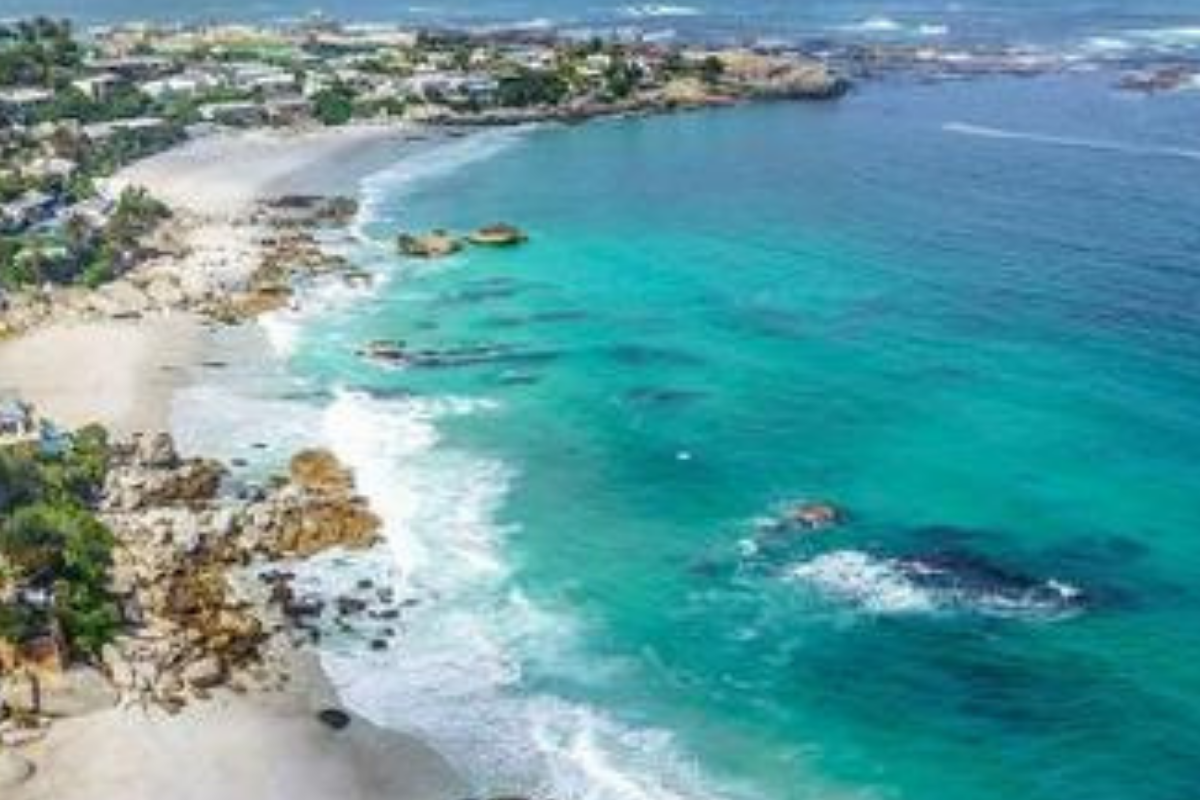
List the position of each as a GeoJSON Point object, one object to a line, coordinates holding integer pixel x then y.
{"type": "Point", "coordinates": [656, 10]}
{"type": "Point", "coordinates": [920, 586]}
{"type": "Point", "coordinates": [429, 163]}
{"type": "Point", "coordinates": [458, 675]}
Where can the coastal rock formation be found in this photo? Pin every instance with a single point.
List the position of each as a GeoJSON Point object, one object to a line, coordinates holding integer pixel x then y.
{"type": "Point", "coordinates": [1163, 79]}
{"type": "Point", "coordinates": [499, 234]}
{"type": "Point", "coordinates": [314, 511]}
{"type": "Point", "coordinates": [152, 475]}
{"type": "Point", "coordinates": [190, 629]}
{"type": "Point", "coordinates": [815, 515]}
{"type": "Point", "coordinates": [779, 77]}
{"type": "Point", "coordinates": [435, 244]}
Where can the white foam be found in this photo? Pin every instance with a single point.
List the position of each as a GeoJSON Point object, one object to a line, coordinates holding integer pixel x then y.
{"type": "Point", "coordinates": [1072, 142]}
{"type": "Point", "coordinates": [1107, 44]}
{"type": "Point", "coordinates": [660, 10]}
{"type": "Point", "coordinates": [1181, 36]}
{"type": "Point", "coordinates": [874, 585]}
{"type": "Point", "coordinates": [381, 189]}
{"type": "Point", "coordinates": [457, 675]}
{"type": "Point", "coordinates": [886, 586]}
{"type": "Point", "coordinates": [876, 24]}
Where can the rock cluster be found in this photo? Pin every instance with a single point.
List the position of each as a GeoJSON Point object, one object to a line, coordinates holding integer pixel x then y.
{"type": "Point", "coordinates": [499, 234]}
{"type": "Point", "coordinates": [188, 631]}
{"type": "Point", "coordinates": [317, 509]}
{"type": "Point", "coordinates": [435, 244]}
{"type": "Point", "coordinates": [179, 538]}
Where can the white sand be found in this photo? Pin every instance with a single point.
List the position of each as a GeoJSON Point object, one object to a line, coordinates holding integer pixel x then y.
{"type": "Point", "coordinates": [118, 373]}
{"type": "Point", "coordinates": [234, 747]}
{"type": "Point", "coordinates": [221, 176]}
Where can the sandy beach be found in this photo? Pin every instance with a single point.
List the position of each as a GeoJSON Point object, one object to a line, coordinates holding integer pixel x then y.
{"type": "Point", "coordinates": [122, 373]}
{"type": "Point", "coordinates": [223, 175]}
{"type": "Point", "coordinates": [265, 746]}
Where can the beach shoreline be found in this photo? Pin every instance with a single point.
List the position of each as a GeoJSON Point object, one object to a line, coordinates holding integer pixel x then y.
{"type": "Point", "coordinates": [123, 373]}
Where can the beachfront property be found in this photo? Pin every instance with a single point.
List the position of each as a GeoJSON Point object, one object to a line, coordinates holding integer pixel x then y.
{"type": "Point", "coordinates": [120, 93]}
{"type": "Point", "coordinates": [17, 422]}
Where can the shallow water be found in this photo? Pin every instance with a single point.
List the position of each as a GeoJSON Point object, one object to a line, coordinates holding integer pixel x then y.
{"type": "Point", "coordinates": [966, 314]}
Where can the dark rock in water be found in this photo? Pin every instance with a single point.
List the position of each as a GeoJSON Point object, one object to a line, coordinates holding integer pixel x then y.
{"type": "Point", "coordinates": [383, 350]}
{"type": "Point", "coordinates": [972, 579]}
{"type": "Point", "coordinates": [379, 644]}
{"type": "Point", "coordinates": [473, 295]}
{"type": "Point", "coordinates": [815, 515]}
{"type": "Point", "coordinates": [334, 718]}
{"type": "Point", "coordinates": [304, 607]}
{"type": "Point", "coordinates": [513, 378]}
{"type": "Point", "coordinates": [1164, 79]}
{"type": "Point", "coordinates": [348, 606]}
{"type": "Point", "coordinates": [538, 317]}
{"type": "Point", "coordinates": [653, 396]}
{"type": "Point", "coordinates": [646, 355]}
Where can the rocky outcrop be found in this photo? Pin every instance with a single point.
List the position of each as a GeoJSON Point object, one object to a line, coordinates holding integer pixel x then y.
{"type": "Point", "coordinates": [756, 75]}
{"type": "Point", "coordinates": [178, 540]}
{"type": "Point", "coordinates": [435, 244]}
{"type": "Point", "coordinates": [188, 631]}
{"type": "Point", "coordinates": [315, 510]}
{"type": "Point", "coordinates": [500, 234]}
{"type": "Point", "coordinates": [151, 475]}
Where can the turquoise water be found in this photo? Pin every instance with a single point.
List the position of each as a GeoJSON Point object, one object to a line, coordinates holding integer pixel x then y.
{"type": "Point", "coordinates": [967, 314]}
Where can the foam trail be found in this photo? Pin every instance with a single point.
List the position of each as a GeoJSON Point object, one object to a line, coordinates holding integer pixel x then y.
{"type": "Point", "coordinates": [378, 190]}
{"type": "Point", "coordinates": [1071, 142]}
{"type": "Point", "coordinates": [660, 10]}
{"type": "Point", "coordinates": [457, 677]}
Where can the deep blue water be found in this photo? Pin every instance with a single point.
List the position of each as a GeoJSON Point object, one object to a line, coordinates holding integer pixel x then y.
{"type": "Point", "coordinates": [968, 314]}
{"type": "Point", "coordinates": [1169, 24]}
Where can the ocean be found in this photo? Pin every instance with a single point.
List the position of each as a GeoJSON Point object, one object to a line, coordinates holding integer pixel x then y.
{"type": "Point", "coordinates": [1089, 26]}
{"type": "Point", "coordinates": [966, 313]}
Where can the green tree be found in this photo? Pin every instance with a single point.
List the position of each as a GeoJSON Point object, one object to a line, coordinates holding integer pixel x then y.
{"type": "Point", "coordinates": [712, 69]}
{"type": "Point", "coordinates": [334, 105]}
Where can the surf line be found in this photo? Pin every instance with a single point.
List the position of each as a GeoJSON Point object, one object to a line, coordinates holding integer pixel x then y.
{"type": "Point", "coordinates": [1078, 143]}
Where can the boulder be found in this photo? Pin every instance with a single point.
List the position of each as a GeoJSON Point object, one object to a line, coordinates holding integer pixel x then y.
{"type": "Point", "coordinates": [334, 718]}
{"type": "Point", "coordinates": [315, 510]}
{"type": "Point", "coordinates": [435, 244]}
{"type": "Point", "coordinates": [320, 471]}
{"type": "Point", "coordinates": [499, 234]}
{"type": "Point", "coordinates": [156, 451]}
{"type": "Point", "coordinates": [204, 673]}
{"type": "Point", "coordinates": [814, 515]}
